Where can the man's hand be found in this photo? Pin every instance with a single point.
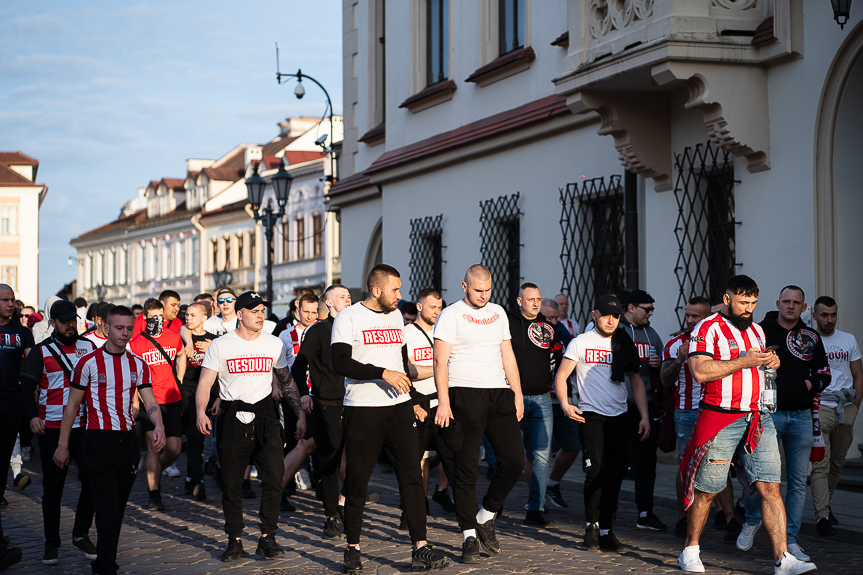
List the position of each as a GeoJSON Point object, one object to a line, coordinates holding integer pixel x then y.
{"type": "Point", "coordinates": [519, 406]}
{"type": "Point", "coordinates": [61, 457]}
{"type": "Point", "coordinates": [203, 346]}
{"type": "Point", "coordinates": [36, 426]}
{"type": "Point", "coordinates": [159, 437]}
{"type": "Point", "coordinates": [655, 360]}
{"type": "Point", "coordinates": [644, 429]}
{"type": "Point", "coordinates": [443, 415]}
{"type": "Point", "coordinates": [808, 384]}
{"type": "Point", "coordinates": [774, 363]}
{"type": "Point", "coordinates": [398, 380]}
{"type": "Point", "coordinates": [217, 406]}
{"type": "Point", "coordinates": [307, 402]}
{"type": "Point", "coordinates": [755, 357]}
{"type": "Point", "coordinates": [189, 350]}
{"type": "Point", "coordinates": [204, 422]}
{"type": "Point", "coordinates": [420, 413]}
{"type": "Point", "coordinates": [682, 353]}
{"type": "Point", "coordinates": [572, 412]}
{"type": "Point", "coordinates": [300, 433]}
{"type": "Point", "coordinates": [277, 391]}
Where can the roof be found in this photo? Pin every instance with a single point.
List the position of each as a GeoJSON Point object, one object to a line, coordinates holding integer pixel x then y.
{"type": "Point", "coordinates": [123, 221]}
{"type": "Point", "coordinates": [764, 32]}
{"type": "Point", "coordinates": [350, 183]}
{"type": "Point", "coordinates": [298, 157]}
{"type": "Point", "coordinates": [224, 174]}
{"type": "Point", "coordinates": [227, 208]}
{"type": "Point", "coordinates": [235, 162]}
{"type": "Point", "coordinates": [11, 178]}
{"type": "Point", "coordinates": [173, 183]}
{"type": "Point", "coordinates": [18, 159]}
{"type": "Point", "coordinates": [276, 145]}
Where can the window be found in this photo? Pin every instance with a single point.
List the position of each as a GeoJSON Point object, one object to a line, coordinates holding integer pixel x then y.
{"type": "Point", "coordinates": [124, 266]}
{"type": "Point", "coordinates": [301, 239]}
{"type": "Point", "coordinates": [318, 236]}
{"type": "Point", "coordinates": [157, 271]}
{"type": "Point", "coordinates": [144, 274]}
{"type": "Point", "coordinates": [196, 255]}
{"type": "Point", "coordinates": [511, 33]}
{"type": "Point", "coordinates": [437, 41]}
{"type": "Point", "coordinates": [380, 59]}
{"type": "Point", "coordinates": [181, 246]}
{"type": "Point", "coordinates": [286, 241]}
{"type": "Point", "coordinates": [500, 235]}
{"type": "Point", "coordinates": [9, 276]}
{"type": "Point", "coordinates": [9, 220]}
{"type": "Point", "coordinates": [253, 256]}
{"type": "Point", "coordinates": [169, 259]}
{"type": "Point", "coordinates": [426, 251]}
{"type": "Point", "coordinates": [241, 256]}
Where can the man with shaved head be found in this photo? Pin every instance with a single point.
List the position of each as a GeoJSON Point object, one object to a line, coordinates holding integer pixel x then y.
{"type": "Point", "coordinates": [479, 389]}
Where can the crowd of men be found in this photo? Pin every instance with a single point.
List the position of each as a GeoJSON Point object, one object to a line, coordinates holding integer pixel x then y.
{"type": "Point", "coordinates": [336, 388]}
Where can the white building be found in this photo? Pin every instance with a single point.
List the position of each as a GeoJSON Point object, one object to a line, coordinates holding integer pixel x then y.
{"type": "Point", "coordinates": [477, 133]}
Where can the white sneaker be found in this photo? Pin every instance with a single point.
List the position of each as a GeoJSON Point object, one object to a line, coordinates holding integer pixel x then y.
{"type": "Point", "coordinates": [171, 471]}
{"type": "Point", "coordinates": [690, 560]}
{"type": "Point", "coordinates": [254, 472]}
{"type": "Point", "coordinates": [747, 536]}
{"type": "Point", "coordinates": [304, 482]}
{"type": "Point", "coordinates": [791, 565]}
{"type": "Point", "coordinates": [797, 551]}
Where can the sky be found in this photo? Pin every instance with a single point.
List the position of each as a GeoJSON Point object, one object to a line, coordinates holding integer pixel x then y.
{"type": "Point", "coordinates": [110, 95]}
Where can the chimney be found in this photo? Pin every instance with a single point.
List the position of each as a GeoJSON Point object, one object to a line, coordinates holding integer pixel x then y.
{"type": "Point", "coordinates": [284, 128]}
{"type": "Point", "coordinates": [253, 154]}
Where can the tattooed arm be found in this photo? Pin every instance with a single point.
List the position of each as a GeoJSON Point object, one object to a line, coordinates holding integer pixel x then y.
{"type": "Point", "coordinates": [289, 388]}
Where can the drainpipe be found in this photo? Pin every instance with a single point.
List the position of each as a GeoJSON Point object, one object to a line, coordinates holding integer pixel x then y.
{"type": "Point", "coordinates": [202, 264]}
{"type": "Point", "coordinates": [630, 230]}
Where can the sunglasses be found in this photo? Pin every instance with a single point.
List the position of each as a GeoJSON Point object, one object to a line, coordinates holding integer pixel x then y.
{"type": "Point", "coordinates": [25, 315]}
{"type": "Point", "coordinates": [226, 300]}
{"type": "Point", "coordinates": [647, 309]}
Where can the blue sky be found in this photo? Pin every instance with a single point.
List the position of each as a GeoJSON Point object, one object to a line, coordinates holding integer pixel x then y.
{"type": "Point", "coordinates": [110, 95]}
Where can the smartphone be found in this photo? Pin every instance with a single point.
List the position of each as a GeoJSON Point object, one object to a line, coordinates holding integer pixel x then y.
{"type": "Point", "coordinates": [771, 348]}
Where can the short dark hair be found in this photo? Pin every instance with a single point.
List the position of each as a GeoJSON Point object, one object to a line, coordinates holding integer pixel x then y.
{"type": "Point", "coordinates": [203, 297]}
{"type": "Point", "coordinates": [408, 308]}
{"type": "Point", "coordinates": [152, 304]}
{"type": "Point", "coordinates": [307, 298]}
{"type": "Point", "coordinates": [169, 293]}
{"type": "Point", "coordinates": [527, 285]}
{"type": "Point", "coordinates": [329, 290]}
{"type": "Point", "coordinates": [80, 302]}
{"type": "Point", "coordinates": [120, 311]}
{"type": "Point", "coordinates": [793, 287]}
{"type": "Point", "coordinates": [826, 301]}
{"type": "Point", "coordinates": [742, 285]}
{"type": "Point", "coordinates": [699, 300]}
{"type": "Point", "coordinates": [379, 273]}
{"type": "Point", "coordinates": [104, 309]}
{"type": "Point", "coordinates": [428, 292]}
{"type": "Point", "coordinates": [137, 306]}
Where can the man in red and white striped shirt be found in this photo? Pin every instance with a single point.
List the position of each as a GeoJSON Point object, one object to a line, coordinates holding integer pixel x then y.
{"type": "Point", "coordinates": [107, 380]}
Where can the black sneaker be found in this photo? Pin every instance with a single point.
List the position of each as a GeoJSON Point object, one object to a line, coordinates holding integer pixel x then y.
{"type": "Point", "coordinates": [442, 498]}
{"type": "Point", "coordinates": [470, 551]}
{"type": "Point", "coordinates": [403, 522]}
{"type": "Point", "coordinates": [824, 528]}
{"type": "Point", "coordinates": [537, 517]}
{"type": "Point", "coordinates": [719, 520]}
{"type": "Point", "coordinates": [9, 556]}
{"type": "Point", "coordinates": [21, 482]}
{"type": "Point", "coordinates": [332, 528]}
{"type": "Point", "coordinates": [732, 530]}
{"type": "Point", "coordinates": [372, 498]}
{"type": "Point", "coordinates": [353, 562]}
{"type": "Point", "coordinates": [199, 490]}
{"type": "Point", "coordinates": [553, 495]}
{"type": "Point", "coordinates": [487, 537]}
{"type": "Point", "coordinates": [155, 503]}
{"type": "Point", "coordinates": [426, 558]}
{"type": "Point", "coordinates": [51, 555]}
{"type": "Point", "coordinates": [210, 466]}
{"type": "Point", "coordinates": [341, 511]}
{"type": "Point", "coordinates": [85, 546]}
{"type": "Point", "coordinates": [591, 538]}
{"type": "Point", "coordinates": [651, 523]}
{"type": "Point", "coordinates": [833, 520]}
{"type": "Point", "coordinates": [188, 486]}
{"type": "Point", "coordinates": [611, 543]}
{"type": "Point", "coordinates": [234, 552]}
{"type": "Point", "coordinates": [248, 492]}
{"type": "Point", "coordinates": [268, 548]}
{"type": "Point", "coordinates": [3, 502]}
{"type": "Point", "coordinates": [285, 504]}
{"type": "Point", "coordinates": [680, 528]}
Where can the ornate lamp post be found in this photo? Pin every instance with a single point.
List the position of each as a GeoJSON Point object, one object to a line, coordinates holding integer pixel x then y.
{"type": "Point", "coordinates": [841, 11]}
{"type": "Point", "coordinates": [269, 217]}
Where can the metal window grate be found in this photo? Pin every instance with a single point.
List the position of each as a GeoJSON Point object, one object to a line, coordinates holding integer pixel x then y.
{"type": "Point", "coordinates": [705, 228]}
{"type": "Point", "coordinates": [592, 255]}
{"type": "Point", "coordinates": [426, 254]}
{"type": "Point", "coordinates": [500, 248]}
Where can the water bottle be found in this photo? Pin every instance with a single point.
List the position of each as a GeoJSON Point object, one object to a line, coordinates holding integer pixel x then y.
{"type": "Point", "coordinates": [768, 396]}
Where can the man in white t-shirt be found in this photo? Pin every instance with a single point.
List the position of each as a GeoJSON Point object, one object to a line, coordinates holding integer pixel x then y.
{"type": "Point", "coordinates": [368, 349]}
{"type": "Point", "coordinates": [479, 387]}
{"type": "Point", "coordinates": [245, 361]}
{"type": "Point", "coordinates": [839, 405]}
{"type": "Point", "coordinates": [601, 358]}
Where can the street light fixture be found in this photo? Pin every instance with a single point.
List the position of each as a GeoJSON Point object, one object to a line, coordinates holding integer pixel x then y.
{"type": "Point", "coordinates": [841, 11]}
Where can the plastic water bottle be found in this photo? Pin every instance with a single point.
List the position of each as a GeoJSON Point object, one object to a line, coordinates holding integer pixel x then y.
{"type": "Point", "coordinates": [768, 396]}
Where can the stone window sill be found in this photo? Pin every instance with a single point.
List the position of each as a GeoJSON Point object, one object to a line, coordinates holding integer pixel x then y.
{"type": "Point", "coordinates": [432, 95]}
{"type": "Point", "coordinates": [505, 66]}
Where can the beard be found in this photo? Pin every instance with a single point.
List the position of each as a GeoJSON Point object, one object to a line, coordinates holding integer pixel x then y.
{"type": "Point", "coordinates": [388, 305]}
{"type": "Point", "coordinates": [742, 323]}
{"type": "Point", "coordinates": [66, 340]}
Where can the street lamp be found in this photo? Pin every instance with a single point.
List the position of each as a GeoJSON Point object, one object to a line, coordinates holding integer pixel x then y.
{"type": "Point", "coordinates": [255, 186]}
{"type": "Point", "coordinates": [841, 11]}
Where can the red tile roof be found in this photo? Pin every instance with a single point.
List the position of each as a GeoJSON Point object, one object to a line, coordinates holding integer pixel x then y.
{"type": "Point", "coordinates": [299, 156]}
{"type": "Point", "coordinates": [235, 162]}
{"type": "Point", "coordinates": [277, 145]}
{"type": "Point", "coordinates": [223, 174]}
{"type": "Point", "coordinates": [11, 178]}
{"type": "Point", "coordinates": [173, 183]}
{"type": "Point", "coordinates": [227, 208]}
{"type": "Point", "coordinates": [271, 162]}
{"type": "Point", "coordinates": [764, 32]}
{"type": "Point", "coordinates": [349, 184]}
{"type": "Point", "coordinates": [18, 159]}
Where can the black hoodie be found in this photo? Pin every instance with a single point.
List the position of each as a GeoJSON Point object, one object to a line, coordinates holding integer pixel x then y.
{"type": "Point", "coordinates": [802, 356]}
{"type": "Point", "coordinates": [537, 350]}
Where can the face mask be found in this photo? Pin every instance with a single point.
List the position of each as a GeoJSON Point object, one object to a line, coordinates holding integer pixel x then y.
{"type": "Point", "coordinates": [153, 327]}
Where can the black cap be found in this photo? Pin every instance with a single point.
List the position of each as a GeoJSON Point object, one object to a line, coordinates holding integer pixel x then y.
{"type": "Point", "coordinates": [63, 311]}
{"type": "Point", "coordinates": [249, 300]}
{"type": "Point", "coordinates": [608, 304]}
{"type": "Point", "coordinates": [638, 297]}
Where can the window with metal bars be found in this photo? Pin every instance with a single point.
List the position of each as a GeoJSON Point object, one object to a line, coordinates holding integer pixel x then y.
{"type": "Point", "coordinates": [437, 41]}
{"type": "Point", "coordinates": [426, 254]}
{"type": "Point", "coordinates": [706, 221]}
{"type": "Point", "coordinates": [500, 248]}
{"type": "Point", "coordinates": [592, 255]}
{"type": "Point", "coordinates": [511, 16]}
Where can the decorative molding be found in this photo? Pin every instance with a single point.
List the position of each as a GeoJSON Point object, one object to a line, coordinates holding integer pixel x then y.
{"type": "Point", "coordinates": [375, 136]}
{"type": "Point", "coordinates": [505, 66]}
{"type": "Point", "coordinates": [432, 95]}
{"type": "Point", "coordinates": [562, 40]}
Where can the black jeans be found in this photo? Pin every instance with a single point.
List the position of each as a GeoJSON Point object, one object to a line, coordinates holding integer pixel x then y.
{"type": "Point", "coordinates": [260, 442]}
{"type": "Point", "coordinates": [112, 466]}
{"type": "Point", "coordinates": [330, 440]}
{"type": "Point", "coordinates": [194, 443]}
{"type": "Point", "coordinates": [603, 441]}
{"type": "Point", "coordinates": [53, 481]}
{"type": "Point", "coordinates": [367, 431]}
{"type": "Point", "coordinates": [642, 457]}
{"type": "Point", "coordinates": [10, 419]}
{"type": "Point", "coordinates": [491, 412]}
{"type": "Point", "coordinates": [429, 439]}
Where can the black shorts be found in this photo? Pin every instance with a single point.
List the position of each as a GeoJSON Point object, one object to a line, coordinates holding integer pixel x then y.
{"type": "Point", "coordinates": [291, 426]}
{"type": "Point", "coordinates": [172, 419]}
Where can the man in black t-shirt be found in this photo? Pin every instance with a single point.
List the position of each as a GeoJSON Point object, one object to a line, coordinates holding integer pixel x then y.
{"type": "Point", "coordinates": [15, 343]}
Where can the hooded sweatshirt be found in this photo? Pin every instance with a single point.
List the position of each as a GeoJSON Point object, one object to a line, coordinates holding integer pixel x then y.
{"type": "Point", "coordinates": [643, 337]}
{"type": "Point", "coordinates": [802, 356]}
{"type": "Point", "coordinates": [537, 350]}
{"type": "Point", "coordinates": [43, 329]}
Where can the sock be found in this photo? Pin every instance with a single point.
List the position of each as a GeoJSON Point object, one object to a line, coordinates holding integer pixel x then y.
{"type": "Point", "coordinates": [157, 492]}
{"type": "Point", "coordinates": [552, 483]}
{"type": "Point", "coordinates": [468, 533]}
{"type": "Point", "coordinates": [589, 525]}
{"type": "Point", "coordinates": [16, 470]}
{"type": "Point", "coordinates": [603, 532]}
{"type": "Point", "coordinates": [437, 488]}
{"type": "Point", "coordinates": [642, 514]}
{"type": "Point", "coordinates": [484, 515]}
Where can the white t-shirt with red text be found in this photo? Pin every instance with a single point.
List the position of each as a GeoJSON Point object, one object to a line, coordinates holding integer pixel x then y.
{"type": "Point", "coordinates": [842, 349]}
{"type": "Point", "coordinates": [476, 336]}
{"type": "Point", "coordinates": [596, 390]}
{"type": "Point", "coordinates": [375, 338]}
{"type": "Point", "coordinates": [245, 368]}
{"type": "Point", "coordinates": [688, 391]}
{"type": "Point", "coordinates": [420, 352]}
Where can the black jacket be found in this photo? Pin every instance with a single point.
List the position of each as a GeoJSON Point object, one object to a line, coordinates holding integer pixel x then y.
{"type": "Point", "coordinates": [315, 356]}
{"type": "Point", "coordinates": [537, 350]}
{"type": "Point", "coordinates": [802, 356]}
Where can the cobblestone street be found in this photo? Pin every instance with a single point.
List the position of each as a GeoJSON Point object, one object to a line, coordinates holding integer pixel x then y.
{"type": "Point", "coordinates": [188, 538]}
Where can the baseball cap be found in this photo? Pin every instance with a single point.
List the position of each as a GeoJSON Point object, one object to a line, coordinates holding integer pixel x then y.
{"type": "Point", "coordinates": [608, 304]}
{"type": "Point", "coordinates": [638, 297]}
{"type": "Point", "coordinates": [63, 311]}
{"type": "Point", "coordinates": [249, 300]}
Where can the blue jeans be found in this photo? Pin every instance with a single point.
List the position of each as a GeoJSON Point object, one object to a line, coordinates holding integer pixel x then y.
{"type": "Point", "coordinates": [794, 429]}
{"type": "Point", "coordinates": [536, 429]}
{"type": "Point", "coordinates": [684, 423]}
